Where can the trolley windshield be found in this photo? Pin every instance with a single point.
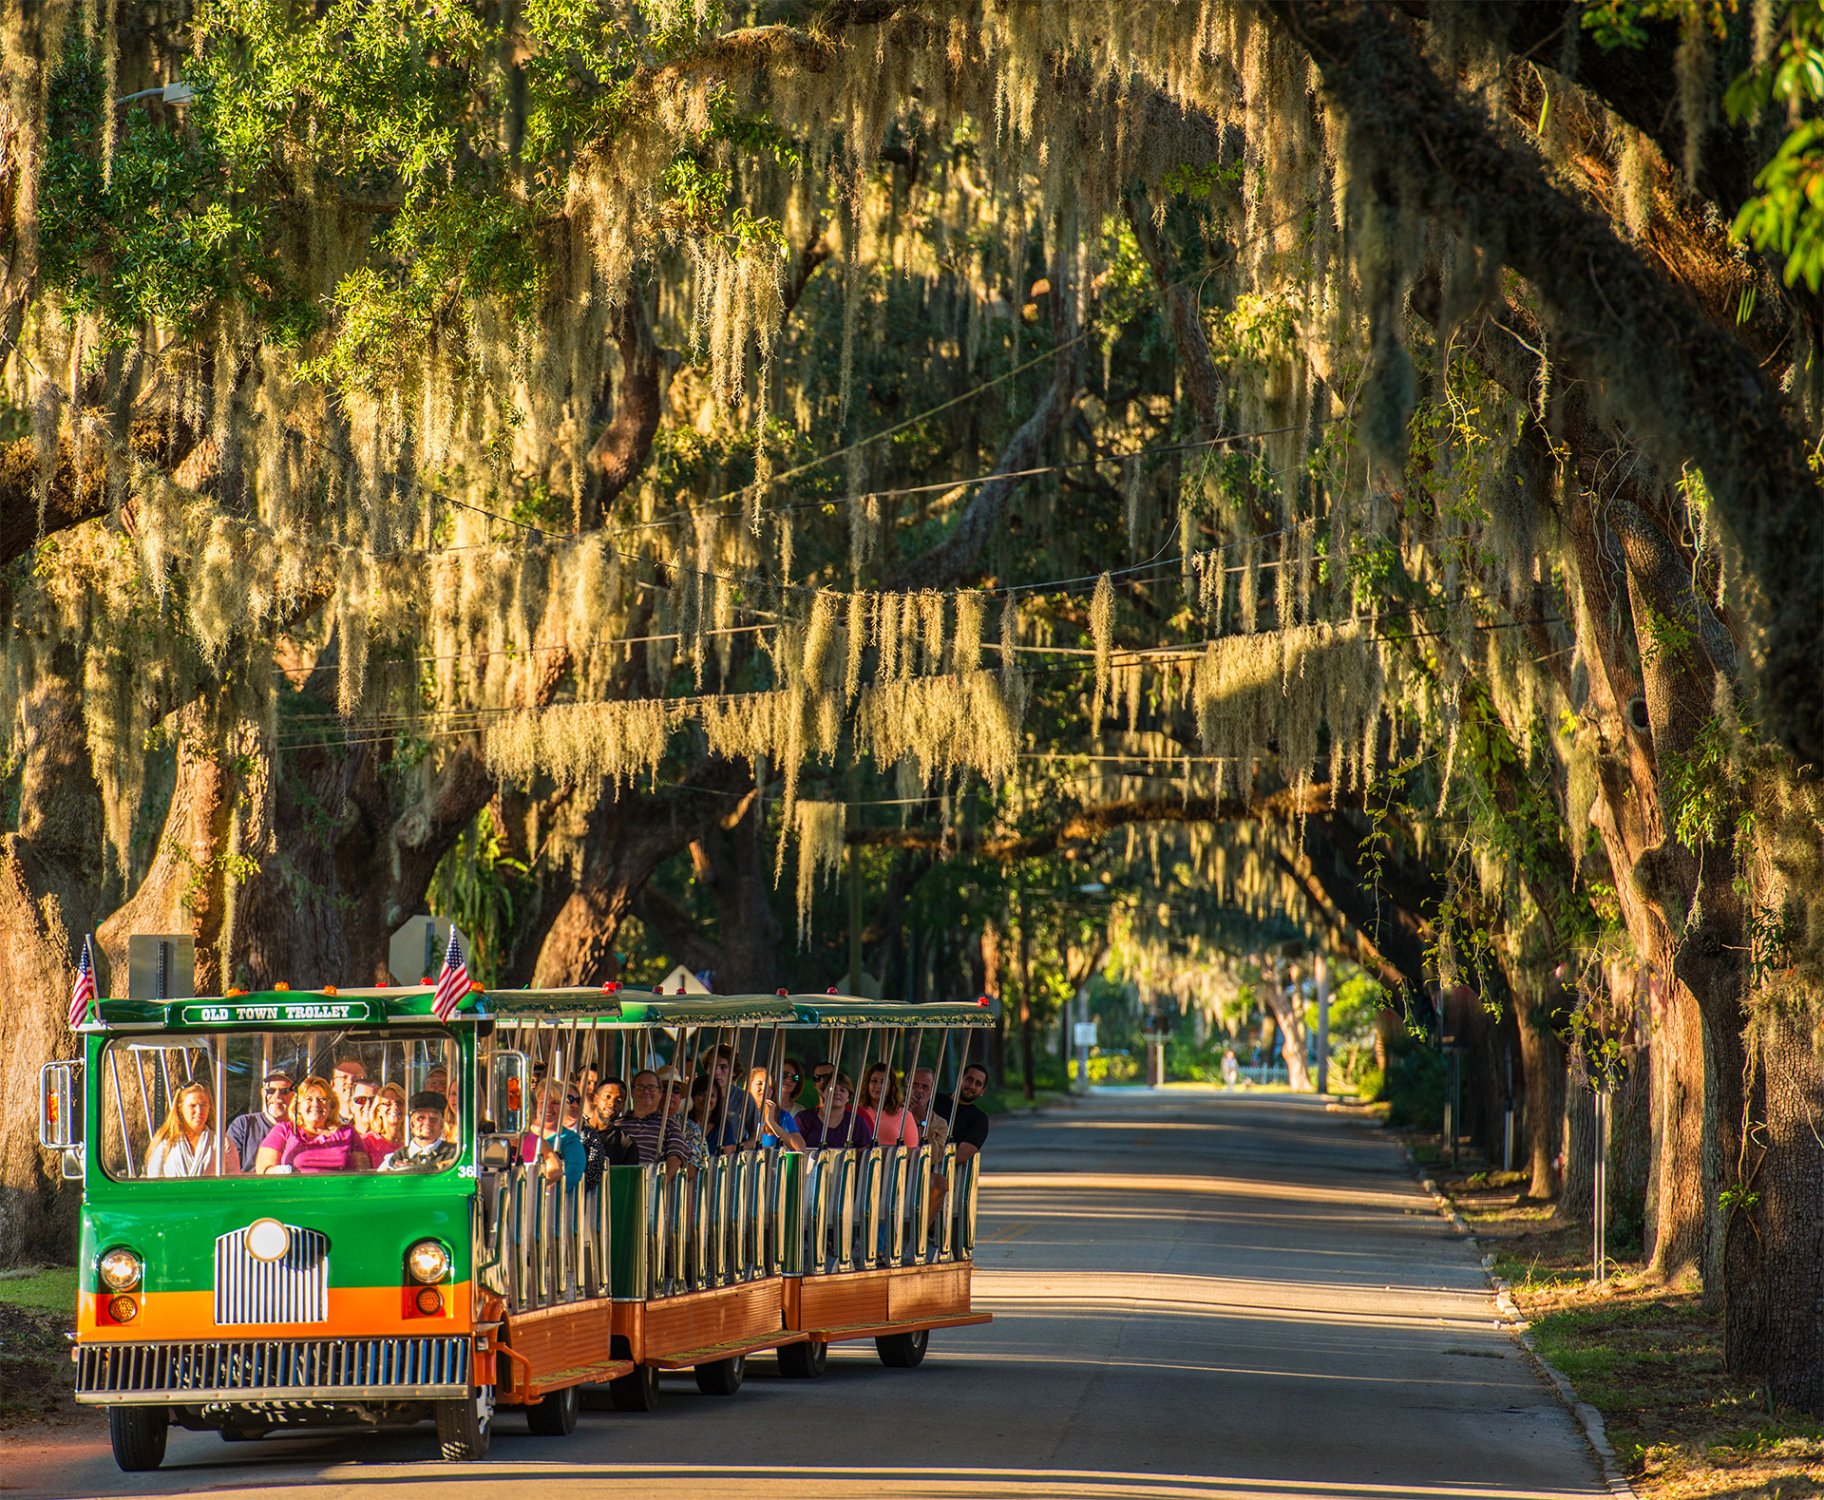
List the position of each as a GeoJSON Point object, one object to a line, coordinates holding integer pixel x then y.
{"type": "Point", "coordinates": [280, 1103]}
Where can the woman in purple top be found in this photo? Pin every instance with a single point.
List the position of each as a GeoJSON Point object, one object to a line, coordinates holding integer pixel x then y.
{"type": "Point", "coordinates": [833, 1123]}
{"type": "Point", "coordinates": [314, 1139]}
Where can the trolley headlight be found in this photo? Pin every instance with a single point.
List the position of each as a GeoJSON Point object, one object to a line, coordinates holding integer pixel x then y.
{"type": "Point", "coordinates": [427, 1261]}
{"type": "Point", "coordinates": [121, 1269]}
{"type": "Point", "coordinates": [268, 1239]}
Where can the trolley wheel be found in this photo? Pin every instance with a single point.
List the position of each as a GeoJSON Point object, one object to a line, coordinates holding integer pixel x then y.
{"type": "Point", "coordinates": [722, 1377]}
{"type": "Point", "coordinates": [465, 1425]}
{"type": "Point", "coordinates": [138, 1434]}
{"type": "Point", "coordinates": [636, 1392]}
{"type": "Point", "coordinates": [903, 1351]}
{"type": "Point", "coordinates": [803, 1361]}
{"type": "Point", "coordinates": [555, 1414]}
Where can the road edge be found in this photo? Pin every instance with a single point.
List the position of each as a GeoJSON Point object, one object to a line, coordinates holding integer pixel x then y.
{"type": "Point", "coordinates": [1595, 1433]}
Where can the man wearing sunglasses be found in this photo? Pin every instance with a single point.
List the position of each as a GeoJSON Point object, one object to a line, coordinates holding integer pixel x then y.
{"type": "Point", "coordinates": [658, 1136]}
{"type": "Point", "coordinates": [247, 1131]}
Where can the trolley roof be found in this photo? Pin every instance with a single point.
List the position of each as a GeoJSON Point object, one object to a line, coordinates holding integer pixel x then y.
{"type": "Point", "coordinates": [603, 1005]}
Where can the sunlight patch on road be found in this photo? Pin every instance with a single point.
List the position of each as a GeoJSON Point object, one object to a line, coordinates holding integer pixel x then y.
{"type": "Point", "coordinates": [1054, 1183]}
{"type": "Point", "coordinates": [1008, 1293]}
{"type": "Point", "coordinates": [812, 1483]}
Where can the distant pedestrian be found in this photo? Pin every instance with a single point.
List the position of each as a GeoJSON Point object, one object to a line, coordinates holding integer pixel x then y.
{"type": "Point", "coordinates": [1231, 1069]}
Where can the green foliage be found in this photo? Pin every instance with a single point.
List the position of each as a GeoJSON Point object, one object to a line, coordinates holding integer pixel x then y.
{"type": "Point", "coordinates": [1786, 217]}
{"type": "Point", "coordinates": [1701, 787]}
{"type": "Point", "coordinates": [166, 229]}
{"type": "Point", "coordinates": [478, 886]}
{"type": "Point", "coordinates": [450, 134]}
{"type": "Point", "coordinates": [1414, 1084]}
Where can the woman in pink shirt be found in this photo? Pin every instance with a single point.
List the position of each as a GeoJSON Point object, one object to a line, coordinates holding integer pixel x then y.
{"type": "Point", "coordinates": [883, 1106]}
{"type": "Point", "coordinates": [385, 1132]}
{"type": "Point", "coordinates": [314, 1139]}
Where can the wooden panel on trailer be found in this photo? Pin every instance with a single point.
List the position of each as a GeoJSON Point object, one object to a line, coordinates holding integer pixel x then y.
{"type": "Point", "coordinates": [559, 1345]}
{"type": "Point", "coordinates": [940, 1291]}
{"type": "Point", "coordinates": [748, 1313]}
{"type": "Point", "coordinates": [842, 1300]}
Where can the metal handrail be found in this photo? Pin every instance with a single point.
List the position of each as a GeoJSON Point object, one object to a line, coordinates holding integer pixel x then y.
{"type": "Point", "coordinates": [731, 1222]}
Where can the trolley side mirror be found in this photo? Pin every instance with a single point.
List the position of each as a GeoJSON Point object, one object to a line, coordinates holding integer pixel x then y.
{"type": "Point", "coordinates": [60, 1108]}
{"type": "Point", "coordinates": [495, 1153]}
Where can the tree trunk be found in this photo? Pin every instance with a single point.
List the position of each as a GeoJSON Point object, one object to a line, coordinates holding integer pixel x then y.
{"type": "Point", "coordinates": [1577, 1193]}
{"type": "Point", "coordinates": [1676, 1222]}
{"type": "Point", "coordinates": [50, 874]}
{"type": "Point", "coordinates": [37, 1216]}
{"type": "Point", "coordinates": [1630, 1157]}
{"type": "Point", "coordinates": [1542, 1062]}
{"type": "Point", "coordinates": [625, 840]}
{"type": "Point", "coordinates": [1788, 1279]}
{"type": "Point", "coordinates": [186, 887]}
{"type": "Point", "coordinates": [1288, 1013]}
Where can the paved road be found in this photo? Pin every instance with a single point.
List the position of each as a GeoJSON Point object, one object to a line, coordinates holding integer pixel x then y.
{"type": "Point", "coordinates": [1196, 1297]}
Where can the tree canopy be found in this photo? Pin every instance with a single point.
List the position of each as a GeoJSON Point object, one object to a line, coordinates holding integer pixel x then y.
{"type": "Point", "coordinates": [1346, 463]}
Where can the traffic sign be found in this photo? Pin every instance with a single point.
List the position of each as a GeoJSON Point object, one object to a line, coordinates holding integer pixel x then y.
{"type": "Point", "coordinates": [415, 955]}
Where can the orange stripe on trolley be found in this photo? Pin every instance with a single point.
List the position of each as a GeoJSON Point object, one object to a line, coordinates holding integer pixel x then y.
{"type": "Point", "coordinates": [354, 1312]}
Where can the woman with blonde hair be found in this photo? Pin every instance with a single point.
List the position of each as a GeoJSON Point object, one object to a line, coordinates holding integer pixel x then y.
{"type": "Point", "coordinates": [386, 1124]}
{"type": "Point", "coordinates": [314, 1139]}
{"type": "Point", "coordinates": [184, 1146]}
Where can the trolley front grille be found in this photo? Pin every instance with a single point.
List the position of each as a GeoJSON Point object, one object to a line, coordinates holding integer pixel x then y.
{"type": "Point", "coordinates": [251, 1370]}
{"type": "Point", "coordinates": [292, 1289]}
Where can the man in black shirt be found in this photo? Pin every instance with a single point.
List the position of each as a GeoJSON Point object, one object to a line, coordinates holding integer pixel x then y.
{"type": "Point", "coordinates": [968, 1132]}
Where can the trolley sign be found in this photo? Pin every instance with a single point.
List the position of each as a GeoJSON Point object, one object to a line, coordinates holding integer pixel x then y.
{"type": "Point", "coordinates": [275, 1013]}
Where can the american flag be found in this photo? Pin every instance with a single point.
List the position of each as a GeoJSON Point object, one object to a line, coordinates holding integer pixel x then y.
{"type": "Point", "coordinates": [82, 996]}
{"type": "Point", "coordinates": [452, 983]}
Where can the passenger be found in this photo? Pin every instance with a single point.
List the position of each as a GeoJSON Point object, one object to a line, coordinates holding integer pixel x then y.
{"type": "Point", "coordinates": [833, 1123]}
{"type": "Point", "coordinates": [606, 1144]}
{"type": "Point", "coordinates": [386, 1123]}
{"type": "Point", "coordinates": [611, 1101]}
{"type": "Point", "coordinates": [437, 1081]}
{"type": "Point", "coordinates": [919, 1092]}
{"type": "Point", "coordinates": [778, 1127]}
{"type": "Point", "coordinates": [791, 1079]}
{"type": "Point", "coordinates": [969, 1131]}
{"type": "Point", "coordinates": [426, 1150]}
{"type": "Point", "coordinates": [698, 1119]}
{"type": "Point", "coordinates": [184, 1146]}
{"type": "Point", "coordinates": [821, 1074]}
{"type": "Point", "coordinates": [245, 1132]}
{"type": "Point", "coordinates": [647, 1125]}
{"type": "Point", "coordinates": [555, 1147]}
{"type": "Point", "coordinates": [741, 1130]}
{"type": "Point", "coordinates": [885, 1110]}
{"type": "Point", "coordinates": [342, 1079]}
{"type": "Point", "coordinates": [314, 1139]}
{"type": "Point", "coordinates": [361, 1106]}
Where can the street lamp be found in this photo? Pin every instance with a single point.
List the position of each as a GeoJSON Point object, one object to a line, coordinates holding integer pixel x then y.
{"type": "Point", "coordinates": [172, 93]}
